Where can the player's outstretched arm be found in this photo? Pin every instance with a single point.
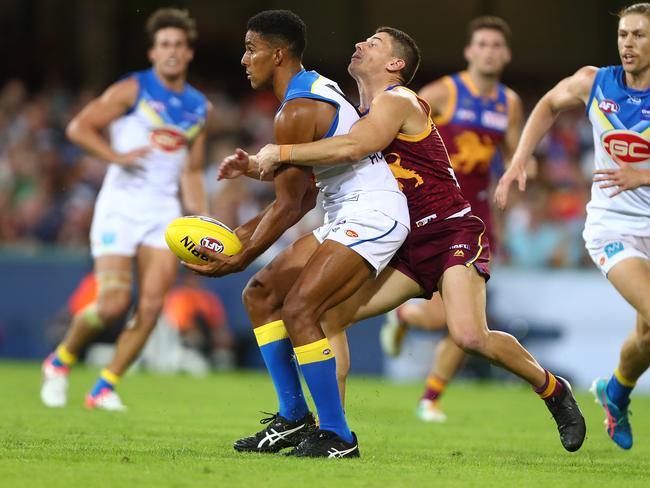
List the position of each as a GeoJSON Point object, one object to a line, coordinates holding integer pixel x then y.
{"type": "Point", "coordinates": [569, 93]}
{"type": "Point", "coordinates": [369, 135]}
{"type": "Point", "coordinates": [195, 200]}
{"type": "Point", "coordinates": [86, 127]}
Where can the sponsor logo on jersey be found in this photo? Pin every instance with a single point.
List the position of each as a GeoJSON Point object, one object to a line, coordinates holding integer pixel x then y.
{"type": "Point", "coordinates": [633, 100]}
{"type": "Point", "coordinates": [645, 114]}
{"type": "Point", "coordinates": [613, 248]}
{"type": "Point", "coordinates": [191, 116]}
{"type": "Point", "coordinates": [494, 120]}
{"type": "Point", "coordinates": [157, 105]}
{"type": "Point", "coordinates": [175, 102]}
{"type": "Point", "coordinates": [466, 115]}
{"type": "Point", "coordinates": [609, 106]}
{"type": "Point", "coordinates": [168, 139]}
{"type": "Point", "coordinates": [212, 244]}
{"type": "Point", "coordinates": [460, 246]}
{"type": "Point", "coordinates": [459, 253]}
{"type": "Point", "coordinates": [351, 233]}
{"type": "Point", "coordinates": [626, 145]}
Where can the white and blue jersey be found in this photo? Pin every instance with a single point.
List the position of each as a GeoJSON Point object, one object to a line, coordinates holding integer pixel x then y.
{"type": "Point", "coordinates": [166, 121]}
{"type": "Point", "coordinates": [621, 127]}
{"type": "Point", "coordinates": [134, 205]}
{"type": "Point", "coordinates": [364, 207]}
{"type": "Point", "coordinates": [368, 182]}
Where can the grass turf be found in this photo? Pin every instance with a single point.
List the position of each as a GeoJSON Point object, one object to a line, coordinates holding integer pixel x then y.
{"type": "Point", "coordinates": [179, 432]}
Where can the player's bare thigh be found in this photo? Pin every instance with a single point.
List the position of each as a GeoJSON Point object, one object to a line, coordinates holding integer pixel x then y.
{"type": "Point", "coordinates": [463, 293]}
{"type": "Point", "coordinates": [267, 289]}
{"type": "Point", "coordinates": [333, 274]}
{"type": "Point", "coordinates": [631, 278]}
{"type": "Point", "coordinates": [390, 289]}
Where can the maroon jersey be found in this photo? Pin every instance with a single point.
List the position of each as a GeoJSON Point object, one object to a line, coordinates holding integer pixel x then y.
{"type": "Point", "coordinates": [473, 127]}
{"type": "Point", "coordinates": [421, 166]}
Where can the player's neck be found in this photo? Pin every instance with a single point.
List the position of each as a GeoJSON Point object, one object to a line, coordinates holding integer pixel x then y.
{"type": "Point", "coordinates": [485, 84]}
{"type": "Point", "coordinates": [282, 77]}
{"type": "Point", "coordinates": [369, 88]}
{"type": "Point", "coordinates": [176, 83]}
{"type": "Point", "coordinates": [638, 81]}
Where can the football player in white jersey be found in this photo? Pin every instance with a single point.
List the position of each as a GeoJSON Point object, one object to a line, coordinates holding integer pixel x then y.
{"type": "Point", "coordinates": [366, 222]}
{"type": "Point", "coordinates": [617, 230]}
{"type": "Point", "coordinates": [155, 151]}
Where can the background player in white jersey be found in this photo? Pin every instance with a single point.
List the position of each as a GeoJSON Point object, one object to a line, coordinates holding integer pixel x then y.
{"type": "Point", "coordinates": [156, 145]}
{"type": "Point", "coordinates": [366, 222]}
{"type": "Point", "coordinates": [617, 230]}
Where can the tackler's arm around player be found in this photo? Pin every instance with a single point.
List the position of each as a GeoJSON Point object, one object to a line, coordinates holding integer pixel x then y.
{"type": "Point", "coordinates": [369, 135]}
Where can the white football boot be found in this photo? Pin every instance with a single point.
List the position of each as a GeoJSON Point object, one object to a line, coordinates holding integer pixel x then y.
{"type": "Point", "coordinates": [106, 400]}
{"type": "Point", "coordinates": [54, 390]}
{"type": "Point", "coordinates": [392, 334]}
{"type": "Point", "coordinates": [429, 411]}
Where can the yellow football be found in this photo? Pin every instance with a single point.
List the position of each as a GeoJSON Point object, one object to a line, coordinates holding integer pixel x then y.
{"type": "Point", "coordinates": [185, 234]}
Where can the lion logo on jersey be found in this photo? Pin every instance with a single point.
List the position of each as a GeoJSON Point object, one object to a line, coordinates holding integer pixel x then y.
{"type": "Point", "coordinates": [474, 153]}
{"type": "Point", "coordinates": [400, 172]}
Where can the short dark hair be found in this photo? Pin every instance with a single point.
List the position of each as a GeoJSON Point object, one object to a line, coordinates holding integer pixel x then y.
{"type": "Point", "coordinates": [281, 26]}
{"type": "Point", "coordinates": [637, 8]}
{"type": "Point", "coordinates": [404, 47]}
{"type": "Point", "coordinates": [489, 22]}
{"type": "Point", "coordinates": [171, 17]}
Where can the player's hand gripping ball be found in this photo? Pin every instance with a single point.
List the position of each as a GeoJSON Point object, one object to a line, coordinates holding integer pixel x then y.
{"type": "Point", "coordinates": [185, 234]}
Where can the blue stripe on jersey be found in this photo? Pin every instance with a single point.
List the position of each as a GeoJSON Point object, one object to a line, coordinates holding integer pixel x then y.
{"type": "Point", "coordinates": [183, 109]}
{"type": "Point", "coordinates": [374, 238]}
{"type": "Point", "coordinates": [300, 86]}
{"type": "Point", "coordinates": [630, 108]}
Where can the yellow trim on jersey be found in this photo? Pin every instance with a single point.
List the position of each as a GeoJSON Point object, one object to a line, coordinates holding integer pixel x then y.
{"type": "Point", "coordinates": [271, 332]}
{"type": "Point", "coordinates": [473, 89]}
{"type": "Point", "coordinates": [646, 132]}
{"type": "Point", "coordinates": [448, 113]}
{"type": "Point", "coordinates": [193, 131]}
{"type": "Point", "coordinates": [416, 137]}
{"type": "Point", "coordinates": [150, 113]}
{"type": "Point", "coordinates": [607, 125]}
{"type": "Point", "coordinates": [480, 245]}
{"type": "Point", "coordinates": [314, 352]}
{"type": "Point", "coordinates": [311, 88]}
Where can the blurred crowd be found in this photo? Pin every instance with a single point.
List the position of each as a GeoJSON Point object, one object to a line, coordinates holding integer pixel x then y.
{"type": "Point", "coordinates": [48, 185]}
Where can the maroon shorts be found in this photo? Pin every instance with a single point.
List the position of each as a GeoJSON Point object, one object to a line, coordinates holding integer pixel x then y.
{"type": "Point", "coordinates": [429, 250]}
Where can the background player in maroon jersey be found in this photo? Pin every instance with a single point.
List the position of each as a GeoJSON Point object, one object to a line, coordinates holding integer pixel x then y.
{"type": "Point", "coordinates": [477, 116]}
{"type": "Point", "coordinates": [446, 249]}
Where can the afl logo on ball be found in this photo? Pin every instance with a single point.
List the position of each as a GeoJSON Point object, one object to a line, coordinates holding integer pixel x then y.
{"type": "Point", "coordinates": [212, 244]}
{"type": "Point", "coordinates": [351, 233]}
{"type": "Point", "coordinates": [168, 139]}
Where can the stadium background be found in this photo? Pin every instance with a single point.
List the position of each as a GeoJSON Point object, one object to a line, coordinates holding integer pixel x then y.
{"type": "Point", "coordinates": [59, 54]}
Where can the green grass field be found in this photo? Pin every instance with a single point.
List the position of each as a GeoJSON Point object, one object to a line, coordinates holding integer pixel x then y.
{"type": "Point", "coordinates": [179, 431]}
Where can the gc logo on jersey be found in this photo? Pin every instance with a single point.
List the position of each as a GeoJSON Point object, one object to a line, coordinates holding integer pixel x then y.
{"type": "Point", "coordinates": [609, 106]}
{"type": "Point", "coordinates": [626, 145]}
{"type": "Point", "coordinates": [167, 139]}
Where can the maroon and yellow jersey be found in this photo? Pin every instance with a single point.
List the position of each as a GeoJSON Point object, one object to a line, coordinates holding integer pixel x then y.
{"type": "Point", "coordinates": [473, 127]}
{"type": "Point", "coordinates": [421, 166]}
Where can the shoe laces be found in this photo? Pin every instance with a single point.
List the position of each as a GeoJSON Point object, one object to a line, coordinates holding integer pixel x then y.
{"type": "Point", "coordinates": [271, 417]}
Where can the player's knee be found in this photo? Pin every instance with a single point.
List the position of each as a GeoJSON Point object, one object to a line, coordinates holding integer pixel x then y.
{"type": "Point", "coordinates": [149, 308]}
{"type": "Point", "coordinates": [113, 305]}
{"type": "Point", "coordinates": [296, 312]}
{"type": "Point", "coordinates": [259, 298]}
{"type": "Point", "coordinates": [470, 341]}
{"type": "Point", "coordinates": [643, 340]}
